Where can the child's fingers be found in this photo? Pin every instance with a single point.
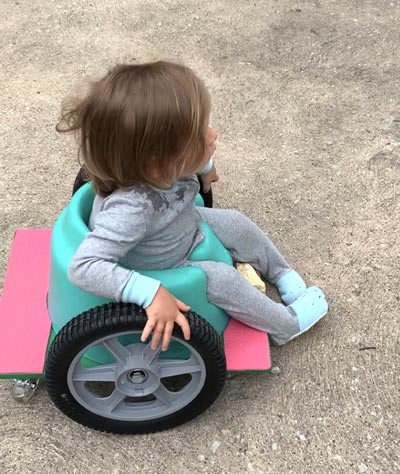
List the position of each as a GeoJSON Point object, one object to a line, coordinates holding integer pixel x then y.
{"type": "Point", "coordinates": [147, 330]}
{"type": "Point", "coordinates": [157, 333]}
{"type": "Point", "coordinates": [183, 323]}
{"type": "Point", "coordinates": [206, 186]}
{"type": "Point", "coordinates": [167, 335]}
{"type": "Point", "coordinates": [181, 305]}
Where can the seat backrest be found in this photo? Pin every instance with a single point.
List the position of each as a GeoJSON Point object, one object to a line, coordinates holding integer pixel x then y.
{"type": "Point", "coordinates": [82, 202]}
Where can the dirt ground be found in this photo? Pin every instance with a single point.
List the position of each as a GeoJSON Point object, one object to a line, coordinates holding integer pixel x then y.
{"type": "Point", "coordinates": [306, 102]}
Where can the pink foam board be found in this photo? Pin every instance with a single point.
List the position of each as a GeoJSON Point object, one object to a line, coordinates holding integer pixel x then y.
{"type": "Point", "coordinates": [246, 348]}
{"type": "Point", "coordinates": [24, 321]}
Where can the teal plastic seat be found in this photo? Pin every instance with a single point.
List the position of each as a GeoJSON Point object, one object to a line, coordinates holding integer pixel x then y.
{"type": "Point", "coordinates": [65, 301]}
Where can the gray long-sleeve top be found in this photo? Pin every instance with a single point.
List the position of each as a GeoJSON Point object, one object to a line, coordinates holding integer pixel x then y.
{"type": "Point", "coordinates": [140, 228]}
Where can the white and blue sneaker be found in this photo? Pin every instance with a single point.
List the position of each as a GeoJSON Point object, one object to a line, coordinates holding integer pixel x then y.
{"type": "Point", "coordinates": [310, 307]}
{"type": "Point", "coordinates": [291, 286]}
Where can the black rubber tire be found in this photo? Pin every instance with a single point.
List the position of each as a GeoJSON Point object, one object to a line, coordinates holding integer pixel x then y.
{"type": "Point", "coordinates": [113, 318]}
{"type": "Point", "coordinates": [80, 181]}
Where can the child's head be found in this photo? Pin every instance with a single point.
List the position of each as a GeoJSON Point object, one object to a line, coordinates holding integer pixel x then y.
{"type": "Point", "coordinates": [140, 124]}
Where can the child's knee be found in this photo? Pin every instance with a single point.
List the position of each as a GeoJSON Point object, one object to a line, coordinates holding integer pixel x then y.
{"type": "Point", "coordinates": [219, 274]}
{"type": "Point", "coordinates": [238, 216]}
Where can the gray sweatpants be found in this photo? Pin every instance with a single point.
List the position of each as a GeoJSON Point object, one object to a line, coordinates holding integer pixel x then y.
{"type": "Point", "coordinates": [229, 290]}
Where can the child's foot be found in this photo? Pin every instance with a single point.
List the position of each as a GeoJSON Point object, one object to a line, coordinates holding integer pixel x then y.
{"type": "Point", "coordinates": [291, 286]}
{"type": "Point", "coordinates": [310, 307]}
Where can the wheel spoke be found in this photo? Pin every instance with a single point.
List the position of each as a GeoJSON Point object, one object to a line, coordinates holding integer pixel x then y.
{"type": "Point", "coordinates": [165, 396]}
{"type": "Point", "coordinates": [115, 348]}
{"type": "Point", "coordinates": [170, 368]}
{"type": "Point", "coordinates": [150, 354]}
{"type": "Point", "coordinates": [102, 373]}
{"type": "Point", "coordinates": [112, 402]}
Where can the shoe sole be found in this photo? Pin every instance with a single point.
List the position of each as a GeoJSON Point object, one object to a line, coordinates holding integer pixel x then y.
{"type": "Point", "coordinates": [307, 328]}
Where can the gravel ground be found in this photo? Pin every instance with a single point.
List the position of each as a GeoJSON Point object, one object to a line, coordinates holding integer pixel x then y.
{"type": "Point", "coordinates": [306, 102]}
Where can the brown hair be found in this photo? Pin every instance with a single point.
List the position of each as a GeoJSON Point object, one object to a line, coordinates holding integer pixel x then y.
{"type": "Point", "coordinates": [140, 124]}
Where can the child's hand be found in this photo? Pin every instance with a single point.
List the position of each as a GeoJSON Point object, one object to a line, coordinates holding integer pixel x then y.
{"type": "Point", "coordinates": [209, 178]}
{"type": "Point", "coordinates": [162, 313]}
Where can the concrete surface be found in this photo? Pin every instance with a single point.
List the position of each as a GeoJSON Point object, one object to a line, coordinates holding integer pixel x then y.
{"type": "Point", "coordinates": [306, 101]}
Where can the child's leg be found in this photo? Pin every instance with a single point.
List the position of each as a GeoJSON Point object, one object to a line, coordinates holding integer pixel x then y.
{"type": "Point", "coordinates": [246, 242]}
{"type": "Point", "coordinates": [229, 290]}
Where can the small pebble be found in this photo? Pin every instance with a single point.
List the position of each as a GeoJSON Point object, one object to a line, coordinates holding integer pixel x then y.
{"type": "Point", "coordinates": [215, 446]}
{"type": "Point", "coordinates": [362, 468]}
{"type": "Point", "coordinates": [275, 370]}
{"type": "Point", "coordinates": [201, 458]}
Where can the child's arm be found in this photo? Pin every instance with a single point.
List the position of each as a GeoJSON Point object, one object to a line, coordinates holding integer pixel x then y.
{"type": "Point", "coordinates": [119, 227]}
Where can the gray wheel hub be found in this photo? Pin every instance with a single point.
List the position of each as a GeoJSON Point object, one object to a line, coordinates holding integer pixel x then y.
{"type": "Point", "coordinates": [137, 376]}
{"type": "Point", "coordinates": [138, 391]}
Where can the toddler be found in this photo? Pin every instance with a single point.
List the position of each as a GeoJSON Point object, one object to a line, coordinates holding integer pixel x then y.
{"type": "Point", "coordinates": [144, 137]}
